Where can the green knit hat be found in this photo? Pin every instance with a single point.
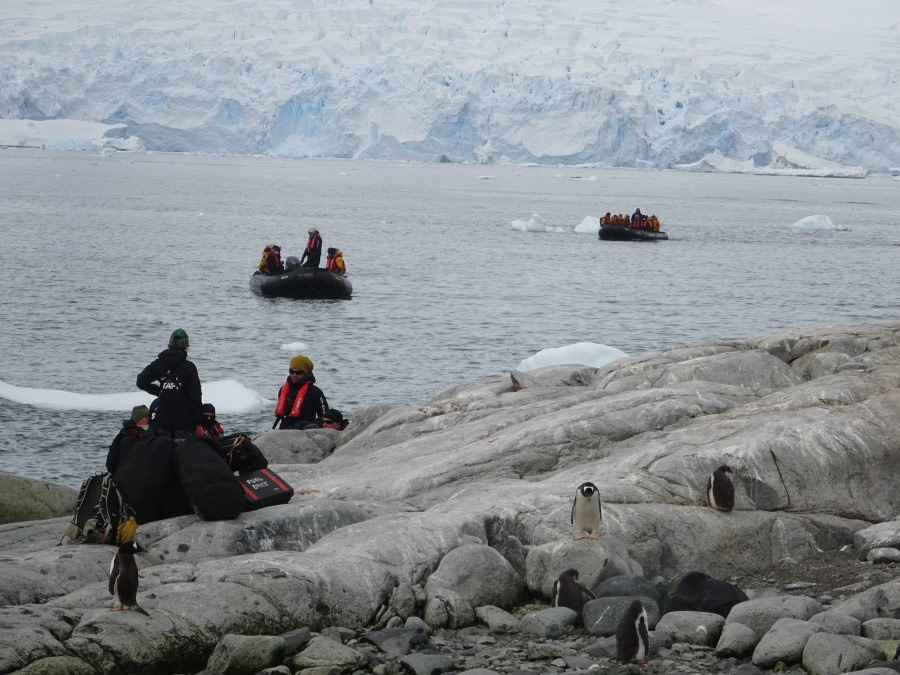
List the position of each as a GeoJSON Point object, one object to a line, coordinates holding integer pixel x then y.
{"type": "Point", "coordinates": [139, 412]}
{"type": "Point", "coordinates": [178, 339]}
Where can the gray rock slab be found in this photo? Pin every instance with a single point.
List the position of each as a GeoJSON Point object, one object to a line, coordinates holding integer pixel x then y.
{"type": "Point", "coordinates": [397, 642]}
{"type": "Point", "coordinates": [836, 623]}
{"type": "Point", "coordinates": [549, 623]}
{"type": "Point", "coordinates": [479, 575]}
{"type": "Point", "coordinates": [237, 654]}
{"type": "Point", "coordinates": [736, 640]}
{"type": "Point", "coordinates": [428, 664]}
{"type": "Point", "coordinates": [595, 560]}
{"type": "Point", "coordinates": [25, 499]}
{"type": "Point", "coordinates": [291, 446]}
{"type": "Point", "coordinates": [882, 629]}
{"type": "Point", "coordinates": [832, 654]}
{"type": "Point", "coordinates": [784, 642]}
{"type": "Point", "coordinates": [761, 614]}
{"type": "Point", "coordinates": [497, 619]}
{"type": "Point", "coordinates": [883, 555]}
{"type": "Point", "coordinates": [323, 651]}
{"type": "Point", "coordinates": [874, 603]}
{"type": "Point", "coordinates": [696, 628]}
{"type": "Point", "coordinates": [879, 535]}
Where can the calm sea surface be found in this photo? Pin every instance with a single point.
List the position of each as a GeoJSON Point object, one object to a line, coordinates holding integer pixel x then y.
{"type": "Point", "coordinates": [102, 257]}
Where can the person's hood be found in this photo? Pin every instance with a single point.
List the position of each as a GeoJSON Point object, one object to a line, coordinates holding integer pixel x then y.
{"type": "Point", "coordinates": [172, 357]}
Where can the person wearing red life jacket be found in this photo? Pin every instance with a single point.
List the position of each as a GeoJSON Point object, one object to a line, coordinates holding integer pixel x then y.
{"type": "Point", "coordinates": [300, 402]}
{"type": "Point", "coordinates": [313, 252]}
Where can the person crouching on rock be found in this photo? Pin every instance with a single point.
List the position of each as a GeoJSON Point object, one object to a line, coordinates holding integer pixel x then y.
{"type": "Point", "coordinates": [210, 423]}
{"type": "Point", "coordinates": [128, 436]}
{"type": "Point", "coordinates": [300, 401]}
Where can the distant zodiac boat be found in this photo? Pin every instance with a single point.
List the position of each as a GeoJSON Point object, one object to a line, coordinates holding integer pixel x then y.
{"type": "Point", "coordinates": [622, 232]}
{"type": "Point", "coordinates": [302, 283]}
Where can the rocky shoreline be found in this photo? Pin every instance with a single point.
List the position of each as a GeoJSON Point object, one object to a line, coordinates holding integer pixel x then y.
{"type": "Point", "coordinates": [426, 539]}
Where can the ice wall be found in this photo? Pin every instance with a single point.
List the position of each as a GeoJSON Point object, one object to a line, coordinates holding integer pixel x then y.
{"type": "Point", "coordinates": [573, 81]}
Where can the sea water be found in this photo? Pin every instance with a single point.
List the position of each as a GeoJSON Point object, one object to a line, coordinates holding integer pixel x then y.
{"type": "Point", "coordinates": [103, 256]}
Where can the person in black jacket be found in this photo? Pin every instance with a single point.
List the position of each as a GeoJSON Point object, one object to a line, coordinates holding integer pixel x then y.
{"type": "Point", "coordinates": [128, 436]}
{"type": "Point", "coordinates": [313, 252]}
{"type": "Point", "coordinates": [173, 379]}
{"type": "Point", "coordinates": [300, 402]}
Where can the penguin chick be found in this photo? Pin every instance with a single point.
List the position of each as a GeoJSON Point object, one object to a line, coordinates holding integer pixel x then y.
{"type": "Point", "coordinates": [586, 511]}
{"type": "Point", "coordinates": [632, 636]}
{"type": "Point", "coordinates": [123, 578]}
{"type": "Point", "coordinates": [720, 489]}
{"type": "Point", "coordinates": [568, 592]}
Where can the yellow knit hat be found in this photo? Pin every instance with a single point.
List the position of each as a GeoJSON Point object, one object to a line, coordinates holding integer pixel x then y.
{"type": "Point", "coordinates": [301, 362]}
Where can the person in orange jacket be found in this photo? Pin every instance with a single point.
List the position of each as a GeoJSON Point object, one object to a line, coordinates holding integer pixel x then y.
{"type": "Point", "coordinates": [335, 262]}
{"type": "Point", "coordinates": [300, 402]}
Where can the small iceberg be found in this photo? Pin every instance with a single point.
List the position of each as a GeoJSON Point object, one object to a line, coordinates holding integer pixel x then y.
{"type": "Point", "coordinates": [590, 225]}
{"type": "Point", "coordinates": [534, 224]}
{"type": "Point", "coordinates": [817, 222]}
{"type": "Point", "coordinates": [581, 354]}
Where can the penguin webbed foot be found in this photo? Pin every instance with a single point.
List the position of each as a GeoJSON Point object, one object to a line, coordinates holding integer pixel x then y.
{"type": "Point", "coordinates": [593, 535]}
{"type": "Point", "coordinates": [579, 536]}
{"type": "Point", "coordinates": [117, 608]}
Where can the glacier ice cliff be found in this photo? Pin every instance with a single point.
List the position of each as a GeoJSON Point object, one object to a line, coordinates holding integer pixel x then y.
{"type": "Point", "coordinates": [572, 82]}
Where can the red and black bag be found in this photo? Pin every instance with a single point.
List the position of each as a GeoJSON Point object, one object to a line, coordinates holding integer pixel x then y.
{"type": "Point", "coordinates": [241, 454]}
{"type": "Point", "coordinates": [264, 488]}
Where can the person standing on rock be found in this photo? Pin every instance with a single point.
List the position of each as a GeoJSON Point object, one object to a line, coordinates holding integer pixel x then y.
{"type": "Point", "coordinates": [175, 382]}
{"type": "Point", "coordinates": [301, 403]}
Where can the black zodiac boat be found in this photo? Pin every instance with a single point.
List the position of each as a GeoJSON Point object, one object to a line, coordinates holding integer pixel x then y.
{"type": "Point", "coordinates": [302, 283]}
{"type": "Point", "coordinates": [618, 232]}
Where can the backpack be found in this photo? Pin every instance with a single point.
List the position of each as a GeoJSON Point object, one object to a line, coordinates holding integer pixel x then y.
{"type": "Point", "coordinates": [241, 453]}
{"type": "Point", "coordinates": [102, 514]}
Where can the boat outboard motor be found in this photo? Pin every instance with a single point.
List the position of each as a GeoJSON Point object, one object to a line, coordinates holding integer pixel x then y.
{"type": "Point", "coordinates": [292, 262]}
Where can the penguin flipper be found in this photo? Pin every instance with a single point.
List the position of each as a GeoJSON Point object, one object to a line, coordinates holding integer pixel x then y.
{"type": "Point", "coordinates": [574, 501]}
{"type": "Point", "coordinates": [554, 594]}
{"type": "Point", "coordinates": [587, 591]}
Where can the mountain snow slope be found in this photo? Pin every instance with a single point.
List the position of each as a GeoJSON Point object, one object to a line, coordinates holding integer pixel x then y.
{"type": "Point", "coordinates": [648, 84]}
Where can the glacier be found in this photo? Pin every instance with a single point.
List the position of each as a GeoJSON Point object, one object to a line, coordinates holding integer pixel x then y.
{"type": "Point", "coordinates": [720, 85]}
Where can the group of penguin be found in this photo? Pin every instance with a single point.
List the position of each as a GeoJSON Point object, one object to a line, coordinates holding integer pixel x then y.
{"type": "Point", "coordinates": [632, 634]}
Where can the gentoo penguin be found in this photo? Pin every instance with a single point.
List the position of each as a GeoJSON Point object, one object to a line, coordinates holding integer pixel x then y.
{"type": "Point", "coordinates": [586, 511]}
{"type": "Point", "coordinates": [123, 578]}
{"type": "Point", "coordinates": [568, 592]}
{"type": "Point", "coordinates": [632, 637]}
{"type": "Point", "coordinates": [720, 489]}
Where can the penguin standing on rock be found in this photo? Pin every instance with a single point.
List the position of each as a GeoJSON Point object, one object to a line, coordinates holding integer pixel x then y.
{"type": "Point", "coordinates": [720, 489]}
{"type": "Point", "coordinates": [632, 636]}
{"type": "Point", "coordinates": [568, 592]}
{"type": "Point", "coordinates": [123, 578]}
{"type": "Point", "coordinates": [586, 511]}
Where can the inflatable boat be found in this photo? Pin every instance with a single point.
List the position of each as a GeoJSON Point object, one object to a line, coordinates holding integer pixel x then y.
{"type": "Point", "coordinates": [302, 283]}
{"type": "Point", "coordinates": [617, 232]}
